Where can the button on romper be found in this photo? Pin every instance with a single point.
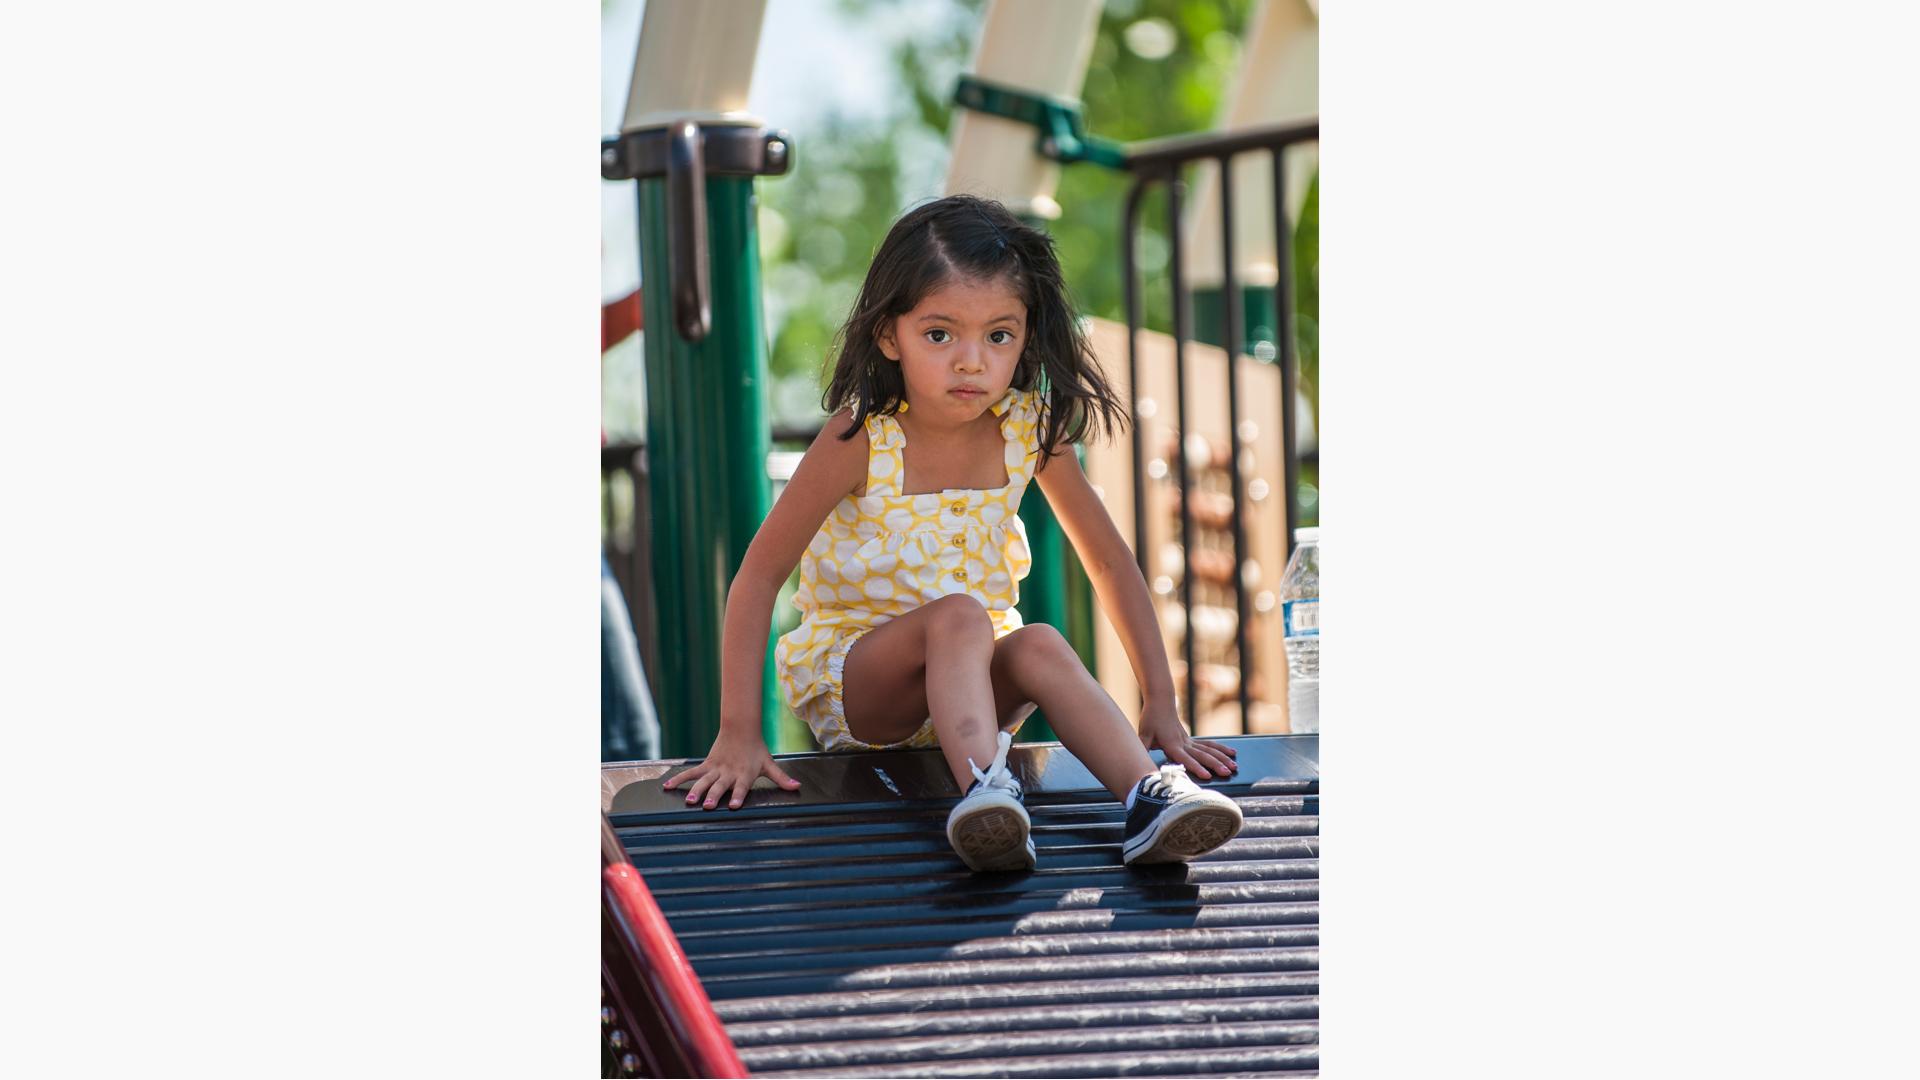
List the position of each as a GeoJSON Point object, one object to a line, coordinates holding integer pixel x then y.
{"type": "Point", "coordinates": [883, 554]}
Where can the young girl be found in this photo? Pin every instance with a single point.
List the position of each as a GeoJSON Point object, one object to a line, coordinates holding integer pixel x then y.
{"type": "Point", "coordinates": [962, 375]}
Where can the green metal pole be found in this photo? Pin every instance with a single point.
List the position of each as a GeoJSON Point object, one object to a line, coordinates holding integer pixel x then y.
{"type": "Point", "coordinates": [1043, 596]}
{"type": "Point", "coordinates": [707, 444]}
{"type": "Point", "coordinates": [1057, 591]}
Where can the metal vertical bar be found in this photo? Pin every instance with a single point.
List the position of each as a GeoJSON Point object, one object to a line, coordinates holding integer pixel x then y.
{"type": "Point", "coordinates": [1182, 319]}
{"type": "Point", "coordinates": [742, 400]}
{"type": "Point", "coordinates": [1230, 299]}
{"type": "Point", "coordinates": [681, 627]}
{"type": "Point", "coordinates": [641, 607]}
{"type": "Point", "coordinates": [1043, 595]}
{"type": "Point", "coordinates": [610, 519]}
{"type": "Point", "coordinates": [1129, 226]}
{"type": "Point", "coordinates": [707, 429]}
{"type": "Point", "coordinates": [1283, 329]}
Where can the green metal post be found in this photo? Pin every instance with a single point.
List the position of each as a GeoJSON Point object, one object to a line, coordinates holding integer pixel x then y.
{"type": "Point", "coordinates": [1043, 596]}
{"type": "Point", "coordinates": [707, 443]}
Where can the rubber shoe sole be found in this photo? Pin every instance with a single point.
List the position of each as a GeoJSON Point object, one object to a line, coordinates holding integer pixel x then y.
{"type": "Point", "coordinates": [1185, 831]}
{"type": "Point", "coordinates": [993, 836]}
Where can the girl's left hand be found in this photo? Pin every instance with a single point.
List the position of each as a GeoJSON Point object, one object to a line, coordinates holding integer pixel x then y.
{"type": "Point", "coordinates": [1161, 729]}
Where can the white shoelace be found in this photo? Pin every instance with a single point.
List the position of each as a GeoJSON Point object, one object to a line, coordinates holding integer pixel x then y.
{"type": "Point", "coordinates": [1171, 780]}
{"type": "Point", "coordinates": [997, 774]}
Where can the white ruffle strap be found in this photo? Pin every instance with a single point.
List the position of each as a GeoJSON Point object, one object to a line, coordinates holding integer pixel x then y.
{"type": "Point", "coordinates": [885, 434]}
{"type": "Point", "coordinates": [1020, 424]}
{"type": "Point", "coordinates": [884, 440]}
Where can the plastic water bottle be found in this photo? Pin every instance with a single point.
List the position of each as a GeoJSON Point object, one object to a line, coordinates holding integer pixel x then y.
{"type": "Point", "coordinates": [1300, 615]}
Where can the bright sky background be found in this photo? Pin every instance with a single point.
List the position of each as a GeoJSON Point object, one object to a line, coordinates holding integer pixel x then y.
{"type": "Point", "coordinates": [799, 41]}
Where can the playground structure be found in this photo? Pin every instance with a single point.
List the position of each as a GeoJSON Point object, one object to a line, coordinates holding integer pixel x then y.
{"type": "Point", "coordinates": [1203, 492]}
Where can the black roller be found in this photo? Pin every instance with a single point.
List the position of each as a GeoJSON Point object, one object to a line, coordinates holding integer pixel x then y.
{"type": "Point", "coordinates": [1269, 1060]}
{"type": "Point", "coordinates": [901, 1025]}
{"type": "Point", "coordinates": [986, 996]}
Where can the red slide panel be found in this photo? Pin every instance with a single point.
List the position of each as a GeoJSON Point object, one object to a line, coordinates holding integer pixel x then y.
{"type": "Point", "coordinates": [660, 1010]}
{"type": "Point", "coordinates": [619, 319]}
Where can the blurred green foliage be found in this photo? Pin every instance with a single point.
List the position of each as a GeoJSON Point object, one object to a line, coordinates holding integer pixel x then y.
{"type": "Point", "coordinates": [851, 179]}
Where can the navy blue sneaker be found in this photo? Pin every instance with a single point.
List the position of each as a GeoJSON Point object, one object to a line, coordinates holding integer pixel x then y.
{"type": "Point", "coordinates": [1174, 819]}
{"type": "Point", "coordinates": [989, 830]}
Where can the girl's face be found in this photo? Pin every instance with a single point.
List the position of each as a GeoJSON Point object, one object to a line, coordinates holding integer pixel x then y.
{"type": "Point", "coordinates": [957, 348]}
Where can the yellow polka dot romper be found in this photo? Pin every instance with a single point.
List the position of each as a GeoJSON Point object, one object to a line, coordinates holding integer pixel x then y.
{"type": "Point", "coordinates": [883, 554]}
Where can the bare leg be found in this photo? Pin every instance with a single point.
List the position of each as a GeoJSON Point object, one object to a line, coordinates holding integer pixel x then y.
{"type": "Point", "coordinates": [936, 661]}
{"type": "Point", "coordinates": [1037, 664]}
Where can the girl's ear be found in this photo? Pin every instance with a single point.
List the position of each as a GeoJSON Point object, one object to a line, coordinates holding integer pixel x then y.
{"type": "Point", "coordinates": [883, 337]}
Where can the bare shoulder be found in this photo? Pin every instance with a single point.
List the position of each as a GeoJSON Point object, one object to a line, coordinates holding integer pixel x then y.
{"type": "Point", "coordinates": [834, 467]}
{"type": "Point", "coordinates": [832, 448]}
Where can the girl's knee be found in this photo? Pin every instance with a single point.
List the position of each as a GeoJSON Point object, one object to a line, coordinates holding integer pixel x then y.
{"type": "Point", "coordinates": [1038, 648]}
{"type": "Point", "coordinates": [956, 614]}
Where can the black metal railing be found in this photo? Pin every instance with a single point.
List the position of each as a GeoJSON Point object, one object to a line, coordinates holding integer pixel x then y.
{"type": "Point", "coordinates": [1159, 162]}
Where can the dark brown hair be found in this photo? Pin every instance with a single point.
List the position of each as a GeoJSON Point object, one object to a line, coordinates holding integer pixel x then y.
{"type": "Point", "coordinates": [963, 237]}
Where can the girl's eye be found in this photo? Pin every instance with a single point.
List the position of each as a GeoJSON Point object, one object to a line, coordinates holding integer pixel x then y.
{"type": "Point", "coordinates": [938, 341]}
{"type": "Point", "coordinates": [1006, 340]}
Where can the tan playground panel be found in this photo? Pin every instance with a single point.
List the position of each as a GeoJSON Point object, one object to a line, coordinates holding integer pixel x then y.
{"type": "Point", "coordinates": [1110, 467]}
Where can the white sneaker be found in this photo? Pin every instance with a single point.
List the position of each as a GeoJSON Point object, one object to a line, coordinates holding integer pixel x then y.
{"type": "Point", "coordinates": [989, 830]}
{"type": "Point", "coordinates": [1174, 819]}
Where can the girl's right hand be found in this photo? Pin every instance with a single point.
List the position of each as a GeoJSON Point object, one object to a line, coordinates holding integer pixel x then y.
{"type": "Point", "coordinates": [733, 764]}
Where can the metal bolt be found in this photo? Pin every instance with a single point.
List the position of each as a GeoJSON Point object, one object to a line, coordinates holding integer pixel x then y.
{"type": "Point", "coordinates": [630, 1063]}
{"type": "Point", "coordinates": [776, 149]}
{"type": "Point", "coordinates": [609, 157]}
{"type": "Point", "coordinates": [617, 1039]}
{"type": "Point", "coordinates": [606, 1015]}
